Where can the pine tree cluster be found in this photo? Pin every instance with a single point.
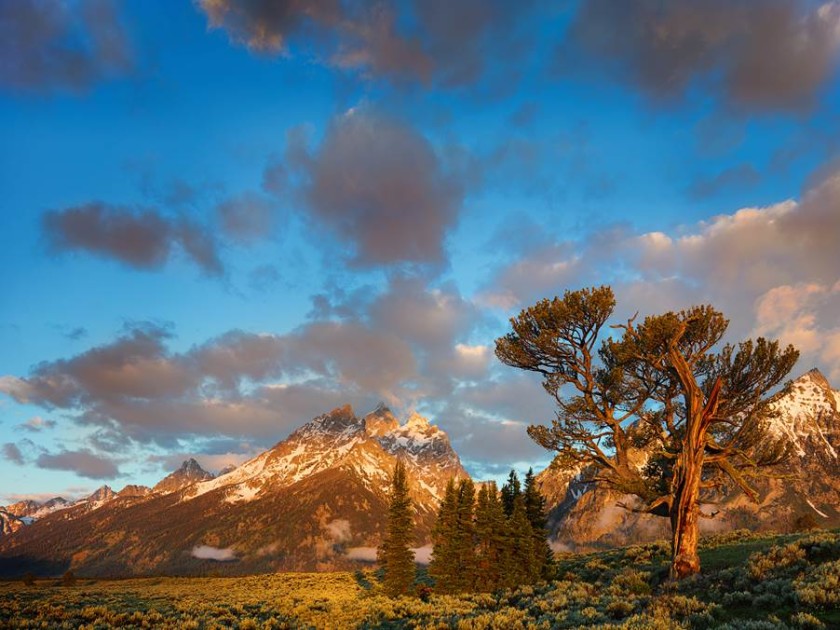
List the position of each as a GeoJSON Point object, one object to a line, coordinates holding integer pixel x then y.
{"type": "Point", "coordinates": [492, 541]}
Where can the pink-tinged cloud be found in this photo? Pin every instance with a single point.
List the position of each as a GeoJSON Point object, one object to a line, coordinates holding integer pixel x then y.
{"type": "Point", "coordinates": [379, 186]}
{"type": "Point", "coordinates": [766, 268]}
{"type": "Point", "coordinates": [46, 46]}
{"type": "Point", "coordinates": [82, 462]}
{"type": "Point", "coordinates": [141, 239]}
{"type": "Point", "coordinates": [452, 44]}
{"type": "Point", "coordinates": [768, 55]}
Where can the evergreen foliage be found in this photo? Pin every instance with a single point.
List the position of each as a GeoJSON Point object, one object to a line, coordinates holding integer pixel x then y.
{"type": "Point", "coordinates": [536, 512]}
{"type": "Point", "coordinates": [443, 565]}
{"type": "Point", "coordinates": [464, 539]}
{"type": "Point", "coordinates": [491, 532]}
{"type": "Point", "coordinates": [395, 554]}
{"type": "Point", "coordinates": [478, 547]}
{"type": "Point", "coordinates": [522, 562]}
{"type": "Point", "coordinates": [510, 491]}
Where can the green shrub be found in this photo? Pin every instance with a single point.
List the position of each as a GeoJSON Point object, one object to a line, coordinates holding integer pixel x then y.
{"type": "Point", "coordinates": [806, 621]}
{"type": "Point", "coordinates": [762, 565]}
{"type": "Point", "coordinates": [821, 586]}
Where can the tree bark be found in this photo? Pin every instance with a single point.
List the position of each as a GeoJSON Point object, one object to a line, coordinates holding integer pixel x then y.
{"type": "Point", "coordinates": [685, 516]}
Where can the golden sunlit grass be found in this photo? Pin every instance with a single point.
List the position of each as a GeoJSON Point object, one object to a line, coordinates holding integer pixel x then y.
{"type": "Point", "coordinates": [752, 581]}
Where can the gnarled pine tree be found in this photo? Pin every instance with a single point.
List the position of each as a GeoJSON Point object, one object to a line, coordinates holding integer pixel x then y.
{"type": "Point", "coordinates": [664, 388]}
{"type": "Point", "coordinates": [395, 554]}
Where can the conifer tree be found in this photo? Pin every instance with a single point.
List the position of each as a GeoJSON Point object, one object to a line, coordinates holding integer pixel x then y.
{"type": "Point", "coordinates": [490, 529]}
{"type": "Point", "coordinates": [535, 510]}
{"type": "Point", "coordinates": [443, 564]}
{"type": "Point", "coordinates": [510, 491]}
{"type": "Point", "coordinates": [395, 553]}
{"type": "Point", "coordinates": [521, 562]}
{"type": "Point", "coordinates": [464, 542]}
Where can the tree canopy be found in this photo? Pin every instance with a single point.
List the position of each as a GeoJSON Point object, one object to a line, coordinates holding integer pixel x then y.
{"type": "Point", "coordinates": [661, 410]}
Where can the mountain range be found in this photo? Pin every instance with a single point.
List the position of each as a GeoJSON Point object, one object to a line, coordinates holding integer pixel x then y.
{"type": "Point", "coordinates": [314, 501]}
{"type": "Point", "coordinates": [317, 500]}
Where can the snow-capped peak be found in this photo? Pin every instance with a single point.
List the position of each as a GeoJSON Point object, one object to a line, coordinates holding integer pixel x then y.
{"type": "Point", "coordinates": [417, 423]}
{"type": "Point", "coordinates": [805, 414]}
{"type": "Point", "coordinates": [189, 473]}
{"type": "Point", "coordinates": [380, 421]}
{"type": "Point", "coordinates": [367, 447]}
{"type": "Point", "coordinates": [341, 420]}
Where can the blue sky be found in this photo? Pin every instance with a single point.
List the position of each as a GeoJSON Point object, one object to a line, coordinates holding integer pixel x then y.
{"type": "Point", "coordinates": [220, 219]}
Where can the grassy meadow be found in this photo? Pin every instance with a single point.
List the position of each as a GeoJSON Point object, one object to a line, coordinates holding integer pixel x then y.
{"type": "Point", "coordinates": [748, 582]}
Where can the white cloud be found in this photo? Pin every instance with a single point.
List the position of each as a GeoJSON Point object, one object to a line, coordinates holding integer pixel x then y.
{"type": "Point", "coordinates": [772, 270]}
{"type": "Point", "coordinates": [206, 552]}
{"type": "Point", "coordinates": [422, 555]}
{"type": "Point", "coordinates": [363, 554]}
{"type": "Point", "coordinates": [340, 530]}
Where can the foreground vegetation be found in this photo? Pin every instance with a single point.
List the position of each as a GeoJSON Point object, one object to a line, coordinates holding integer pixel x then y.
{"type": "Point", "coordinates": [749, 582]}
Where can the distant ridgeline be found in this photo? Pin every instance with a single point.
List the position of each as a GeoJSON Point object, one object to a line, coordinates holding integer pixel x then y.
{"type": "Point", "coordinates": [318, 501]}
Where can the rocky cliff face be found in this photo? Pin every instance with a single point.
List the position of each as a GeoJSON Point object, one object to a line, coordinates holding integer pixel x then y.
{"type": "Point", "coordinates": [316, 500]}
{"type": "Point", "coordinates": [9, 523]}
{"type": "Point", "coordinates": [807, 415]}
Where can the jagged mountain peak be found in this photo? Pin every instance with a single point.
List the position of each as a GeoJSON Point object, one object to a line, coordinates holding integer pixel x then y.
{"type": "Point", "coordinates": [189, 473]}
{"type": "Point", "coordinates": [101, 494]}
{"type": "Point", "coordinates": [815, 376]}
{"type": "Point", "coordinates": [31, 509]}
{"type": "Point", "coordinates": [417, 422]}
{"type": "Point", "coordinates": [339, 420]}
{"type": "Point", "coordinates": [192, 466]}
{"type": "Point", "coordinates": [380, 421]}
{"type": "Point", "coordinates": [24, 507]}
{"type": "Point", "coordinates": [806, 413]}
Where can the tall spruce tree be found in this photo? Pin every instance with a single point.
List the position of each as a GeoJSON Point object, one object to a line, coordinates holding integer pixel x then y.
{"type": "Point", "coordinates": [510, 491]}
{"type": "Point", "coordinates": [395, 554]}
{"type": "Point", "coordinates": [490, 531]}
{"type": "Point", "coordinates": [535, 510]}
{"type": "Point", "coordinates": [454, 561]}
{"type": "Point", "coordinates": [521, 566]}
{"type": "Point", "coordinates": [464, 542]}
{"type": "Point", "coordinates": [443, 565]}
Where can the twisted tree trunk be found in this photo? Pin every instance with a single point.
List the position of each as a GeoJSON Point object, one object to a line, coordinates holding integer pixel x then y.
{"type": "Point", "coordinates": [688, 470]}
{"type": "Point", "coordinates": [685, 514]}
